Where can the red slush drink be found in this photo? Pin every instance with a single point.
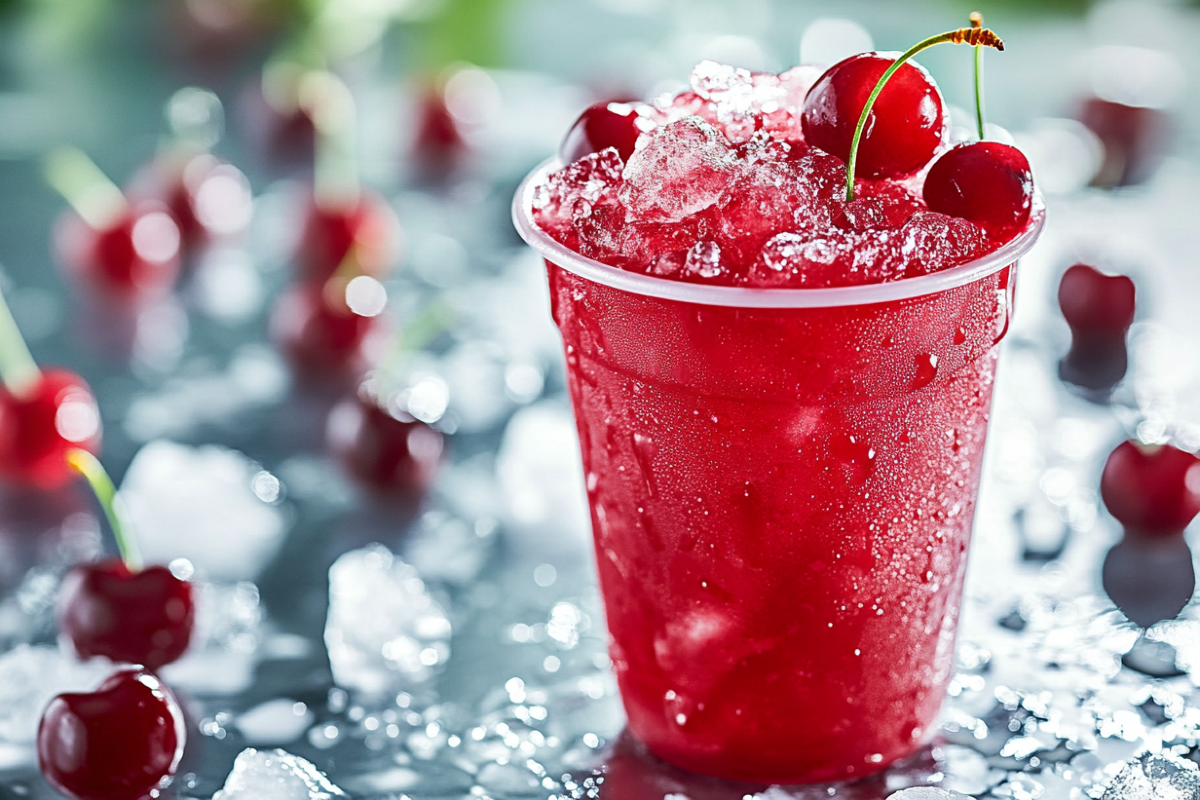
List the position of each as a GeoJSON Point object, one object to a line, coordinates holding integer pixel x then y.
{"type": "Point", "coordinates": [782, 483]}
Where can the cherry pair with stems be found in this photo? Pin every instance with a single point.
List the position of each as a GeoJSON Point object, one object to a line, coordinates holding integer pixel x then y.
{"type": "Point", "coordinates": [124, 739]}
{"type": "Point", "coordinates": [879, 134]}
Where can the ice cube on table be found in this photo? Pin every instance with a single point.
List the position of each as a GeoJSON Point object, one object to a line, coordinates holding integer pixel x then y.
{"type": "Point", "coordinates": [207, 504]}
{"type": "Point", "coordinates": [384, 632]}
{"type": "Point", "coordinates": [275, 775]}
{"type": "Point", "coordinates": [277, 721]}
{"type": "Point", "coordinates": [1155, 775]}
{"type": "Point", "coordinates": [538, 467]}
{"type": "Point", "coordinates": [30, 677]}
{"type": "Point", "coordinates": [927, 793]}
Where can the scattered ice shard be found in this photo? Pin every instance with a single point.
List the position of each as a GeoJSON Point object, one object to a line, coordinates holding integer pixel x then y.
{"type": "Point", "coordinates": [927, 793]}
{"type": "Point", "coordinates": [210, 505]}
{"type": "Point", "coordinates": [1158, 775]}
{"type": "Point", "coordinates": [30, 677]}
{"type": "Point", "coordinates": [385, 632]}
{"type": "Point", "coordinates": [275, 775]}
{"type": "Point", "coordinates": [538, 468]}
{"type": "Point", "coordinates": [277, 721]}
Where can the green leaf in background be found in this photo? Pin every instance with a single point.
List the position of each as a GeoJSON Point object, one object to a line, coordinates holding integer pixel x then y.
{"type": "Point", "coordinates": [465, 30]}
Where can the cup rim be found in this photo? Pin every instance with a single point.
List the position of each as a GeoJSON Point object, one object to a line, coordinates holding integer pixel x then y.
{"type": "Point", "coordinates": [744, 297]}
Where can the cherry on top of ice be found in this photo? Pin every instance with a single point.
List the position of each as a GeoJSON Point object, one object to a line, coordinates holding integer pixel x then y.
{"type": "Point", "coordinates": [727, 183]}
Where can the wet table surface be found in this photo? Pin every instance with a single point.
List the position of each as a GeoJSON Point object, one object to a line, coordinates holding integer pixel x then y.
{"type": "Point", "coordinates": [511, 696]}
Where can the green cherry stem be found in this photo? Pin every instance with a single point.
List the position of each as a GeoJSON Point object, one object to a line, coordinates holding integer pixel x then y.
{"type": "Point", "coordinates": [95, 198]}
{"type": "Point", "coordinates": [977, 22]}
{"type": "Point", "coordinates": [971, 36]}
{"type": "Point", "coordinates": [331, 107]}
{"type": "Point", "coordinates": [18, 370]}
{"type": "Point", "coordinates": [94, 473]}
{"type": "Point", "coordinates": [437, 317]}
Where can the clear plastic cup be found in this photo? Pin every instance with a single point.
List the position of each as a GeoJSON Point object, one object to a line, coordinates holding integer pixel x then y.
{"type": "Point", "coordinates": [782, 484]}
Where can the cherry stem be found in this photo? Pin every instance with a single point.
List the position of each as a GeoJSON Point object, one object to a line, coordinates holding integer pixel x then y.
{"type": "Point", "coordinates": [331, 106]}
{"type": "Point", "coordinates": [971, 36]}
{"type": "Point", "coordinates": [94, 473]}
{"type": "Point", "coordinates": [18, 370]}
{"type": "Point", "coordinates": [95, 198]}
{"type": "Point", "coordinates": [436, 318]}
{"type": "Point", "coordinates": [977, 22]}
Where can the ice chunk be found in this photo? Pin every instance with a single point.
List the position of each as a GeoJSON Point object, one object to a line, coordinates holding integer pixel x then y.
{"type": "Point", "coordinates": [1158, 775]}
{"type": "Point", "coordinates": [277, 721]}
{"type": "Point", "coordinates": [538, 467]}
{"type": "Point", "coordinates": [933, 242]}
{"type": "Point", "coordinates": [275, 775]}
{"type": "Point", "coordinates": [681, 171]}
{"type": "Point", "coordinates": [837, 258]}
{"type": "Point", "coordinates": [741, 102]}
{"type": "Point", "coordinates": [385, 632]}
{"type": "Point", "coordinates": [473, 373]}
{"type": "Point", "coordinates": [772, 793]}
{"type": "Point", "coordinates": [704, 260]}
{"type": "Point", "coordinates": [571, 192]}
{"type": "Point", "coordinates": [206, 504]}
{"type": "Point", "coordinates": [927, 793]}
{"type": "Point", "coordinates": [447, 548]}
{"type": "Point", "coordinates": [30, 677]}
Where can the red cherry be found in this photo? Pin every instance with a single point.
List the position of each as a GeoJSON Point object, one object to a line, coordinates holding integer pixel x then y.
{"type": "Point", "coordinates": [987, 183]}
{"type": "Point", "coordinates": [906, 125]}
{"type": "Point", "coordinates": [370, 225]}
{"type": "Point", "coordinates": [38, 428]}
{"type": "Point", "coordinates": [210, 199]}
{"type": "Point", "coordinates": [438, 145]}
{"type": "Point", "coordinates": [389, 452]}
{"type": "Point", "coordinates": [1099, 309]}
{"type": "Point", "coordinates": [1152, 490]}
{"type": "Point", "coordinates": [279, 130]}
{"type": "Point", "coordinates": [120, 742]}
{"type": "Point", "coordinates": [140, 617]}
{"type": "Point", "coordinates": [599, 126]}
{"type": "Point", "coordinates": [1135, 140]}
{"type": "Point", "coordinates": [1096, 305]}
{"type": "Point", "coordinates": [138, 253]}
{"type": "Point", "coordinates": [320, 338]}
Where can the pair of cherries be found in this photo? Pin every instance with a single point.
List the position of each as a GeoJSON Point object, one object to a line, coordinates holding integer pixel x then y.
{"type": "Point", "coordinates": [987, 183]}
{"type": "Point", "coordinates": [126, 738]}
{"type": "Point", "coordinates": [313, 323]}
{"type": "Point", "coordinates": [134, 244]}
{"type": "Point", "coordinates": [105, 609]}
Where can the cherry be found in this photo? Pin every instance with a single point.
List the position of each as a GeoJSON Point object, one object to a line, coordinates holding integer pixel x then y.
{"type": "Point", "coordinates": [1099, 309]}
{"type": "Point", "coordinates": [438, 145]}
{"type": "Point", "coordinates": [987, 183]}
{"type": "Point", "coordinates": [122, 741]}
{"type": "Point", "coordinates": [369, 226]}
{"type": "Point", "coordinates": [275, 124]}
{"type": "Point", "coordinates": [137, 253]}
{"type": "Point", "coordinates": [1153, 490]}
{"type": "Point", "coordinates": [1134, 140]}
{"type": "Point", "coordinates": [320, 337]}
{"type": "Point", "coordinates": [142, 617]}
{"type": "Point", "coordinates": [37, 428]}
{"type": "Point", "coordinates": [601, 125]}
{"type": "Point", "coordinates": [209, 198]}
{"type": "Point", "coordinates": [906, 126]}
{"type": "Point", "coordinates": [386, 450]}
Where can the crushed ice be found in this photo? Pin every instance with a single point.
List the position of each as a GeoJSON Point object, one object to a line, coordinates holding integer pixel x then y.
{"type": "Point", "coordinates": [385, 632]}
